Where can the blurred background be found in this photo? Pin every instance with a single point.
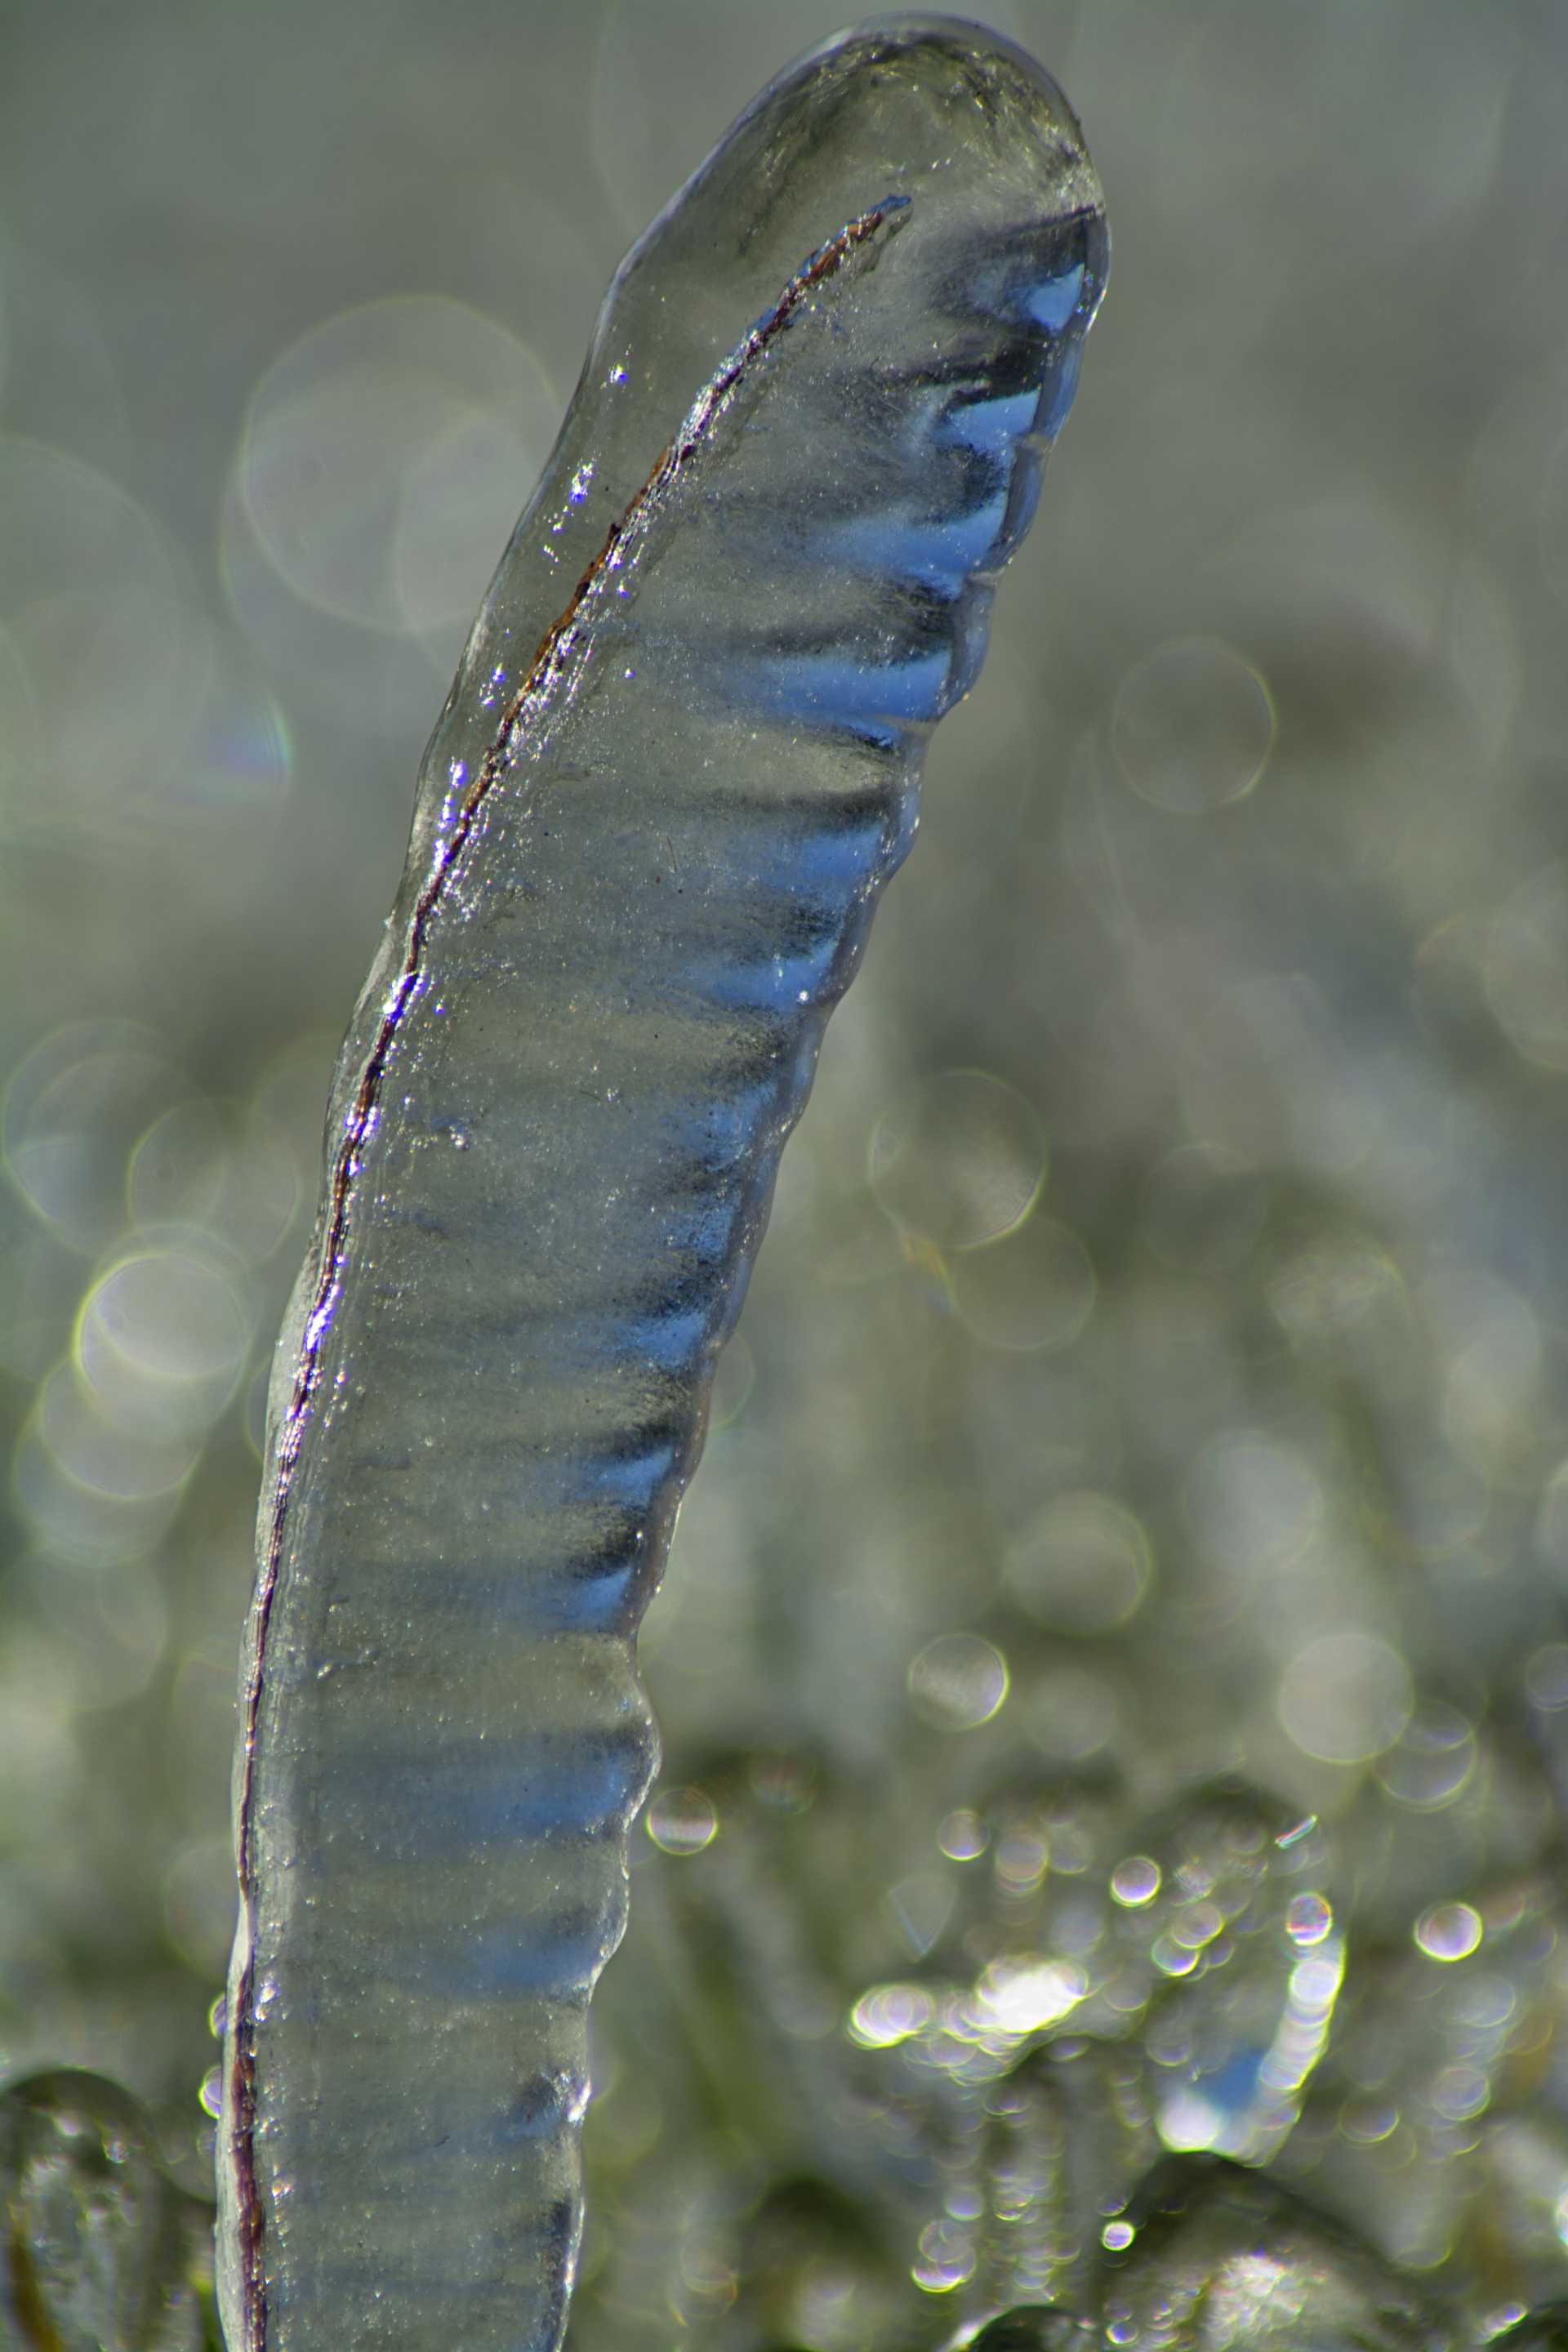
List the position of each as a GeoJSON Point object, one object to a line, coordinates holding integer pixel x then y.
{"type": "Point", "coordinates": [1155, 1374]}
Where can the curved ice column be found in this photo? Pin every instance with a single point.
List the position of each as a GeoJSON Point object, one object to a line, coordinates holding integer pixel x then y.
{"type": "Point", "coordinates": [679, 763]}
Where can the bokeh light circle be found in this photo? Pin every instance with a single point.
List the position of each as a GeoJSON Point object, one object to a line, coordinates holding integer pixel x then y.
{"type": "Point", "coordinates": [1192, 726]}
{"type": "Point", "coordinates": [73, 1109]}
{"type": "Point", "coordinates": [103, 662]}
{"type": "Point", "coordinates": [163, 1338]}
{"type": "Point", "coordinates": [959, 1160]}
{"type": "Point", "coordinates": [1032, 1291]}
{"type": "Point", "coordinates": [958, 1682]}
{"type": "Point", "coordinates": [385, 456]}
{"type": "Point", "coordinates": [1083, 1566]}
{"type": "Point", "coordinates": [1345, 1697]}
{"type": "Point", "coordinates": [1449, 1931]}
{"type": "Point", "coordinates": [682, 1821]}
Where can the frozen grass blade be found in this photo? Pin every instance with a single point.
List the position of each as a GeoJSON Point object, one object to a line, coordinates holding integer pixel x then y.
{"type": "Point", "coordinates": [679, 761]}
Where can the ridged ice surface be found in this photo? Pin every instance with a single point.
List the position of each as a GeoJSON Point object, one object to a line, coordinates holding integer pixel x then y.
{"type": "Point", "coordinates": [679, 761]}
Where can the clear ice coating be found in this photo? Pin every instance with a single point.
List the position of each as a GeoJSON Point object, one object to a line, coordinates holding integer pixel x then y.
{"type": "Point", "coordinates": [1245, 1961]}
{"type": "Point", "coordinates": [1214, 2256]}
{"type": "Point", "coordinates": [1111, 1985]}
{"type": "Point", "coordinates": [98, 2242]}
{"type": "Point", "coordinates": [679, 763]}
{"type": "Point", "coordinates": [1542, 2330]}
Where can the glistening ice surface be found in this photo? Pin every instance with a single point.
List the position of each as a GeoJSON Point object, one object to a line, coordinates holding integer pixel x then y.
{"type": "Point", "coordinates": [679, 763]}
{"type": "Point", "coordinates": [1259, 811]}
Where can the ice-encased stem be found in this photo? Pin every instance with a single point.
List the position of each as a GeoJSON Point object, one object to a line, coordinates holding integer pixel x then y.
{"type": "Point", "coordinates": [679, 763]}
